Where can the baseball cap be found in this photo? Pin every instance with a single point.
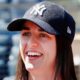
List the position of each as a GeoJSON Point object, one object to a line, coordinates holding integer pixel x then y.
{"type": "Point", "coordinates": [49, 16]}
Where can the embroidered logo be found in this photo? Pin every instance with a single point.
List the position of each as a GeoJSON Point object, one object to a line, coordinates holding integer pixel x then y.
{"type": "Point", "coordinates": [38, 9]}
{"type": "Point", "coordinates": [68, 30]}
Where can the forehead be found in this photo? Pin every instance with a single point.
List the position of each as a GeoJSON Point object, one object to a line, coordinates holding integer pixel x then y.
{"type": "Point", "coordinates": [30, 25]}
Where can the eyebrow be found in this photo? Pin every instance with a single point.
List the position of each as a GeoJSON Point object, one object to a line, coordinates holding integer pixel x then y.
{"type": "Point", "coordinates": [26, 28]}
{"type": "Point", "coordinates": [40, 29]}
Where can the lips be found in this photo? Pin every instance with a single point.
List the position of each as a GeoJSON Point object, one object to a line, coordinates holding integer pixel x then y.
{"type": "Point", "coordinates": [34, 54]}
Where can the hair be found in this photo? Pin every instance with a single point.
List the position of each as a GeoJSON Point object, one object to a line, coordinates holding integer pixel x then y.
{"type": "Point", "coordinates": [64, 62]}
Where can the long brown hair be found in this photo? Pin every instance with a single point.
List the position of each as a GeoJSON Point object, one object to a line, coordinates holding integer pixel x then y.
{"type": "Point", "coordinates": [64, 62]}
{"type": "Point", "coordinates": [21, 72]}
{"type": "Point", "coordinates": [64, 58]}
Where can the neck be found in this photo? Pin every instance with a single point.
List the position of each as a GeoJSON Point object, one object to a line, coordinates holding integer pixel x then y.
{"type": "Point", "coordinates": [42, 75]}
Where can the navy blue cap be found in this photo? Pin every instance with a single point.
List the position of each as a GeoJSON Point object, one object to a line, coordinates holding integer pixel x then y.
{"type": "Point", "coordinates": [51, 17]}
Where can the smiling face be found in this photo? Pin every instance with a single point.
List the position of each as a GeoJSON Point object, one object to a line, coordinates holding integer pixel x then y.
{"type": "Point", "coordinates": [37, 47]}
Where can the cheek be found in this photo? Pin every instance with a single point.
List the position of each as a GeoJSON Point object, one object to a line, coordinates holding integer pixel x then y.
{"type": "Point", "coordinates": [23, 48]}
{"type": "Point", "coordinates": [53, 49]}
{"type": "Point", "coordinates": [50, 49]}
{"type": "Point", "coordinates": [53, 52]}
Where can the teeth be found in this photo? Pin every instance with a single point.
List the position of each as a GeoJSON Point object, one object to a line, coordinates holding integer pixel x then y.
{"type": "Point", "coordinates": [34, 53]}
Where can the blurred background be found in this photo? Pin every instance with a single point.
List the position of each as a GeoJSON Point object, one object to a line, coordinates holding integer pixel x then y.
{"type": "Point", "coordinates": [9, 41]}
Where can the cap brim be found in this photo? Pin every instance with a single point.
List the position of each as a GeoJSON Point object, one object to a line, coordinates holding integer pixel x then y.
{"type": "Point", "coordinates": [16, 25]}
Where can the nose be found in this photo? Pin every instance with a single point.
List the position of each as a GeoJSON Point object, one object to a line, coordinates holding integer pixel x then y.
{"type": "Point", "coordinates": [33, 43]}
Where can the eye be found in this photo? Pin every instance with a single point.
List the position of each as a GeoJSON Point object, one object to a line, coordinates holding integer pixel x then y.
{"type": "Point", "coordinates": [43, 35]}
{"type": "Point", "coordinates": [27, 34]}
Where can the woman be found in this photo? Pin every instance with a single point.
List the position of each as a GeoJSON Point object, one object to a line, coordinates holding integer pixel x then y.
{"type": "Point", "coordinates": [47, 31]}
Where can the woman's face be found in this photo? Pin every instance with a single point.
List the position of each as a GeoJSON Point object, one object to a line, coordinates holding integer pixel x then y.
{"type": "Point", "coordinates": [37, 47]}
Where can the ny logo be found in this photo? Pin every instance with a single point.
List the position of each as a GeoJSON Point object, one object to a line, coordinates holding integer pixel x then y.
{"type": "Point", "coordinates": [38, 9]}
